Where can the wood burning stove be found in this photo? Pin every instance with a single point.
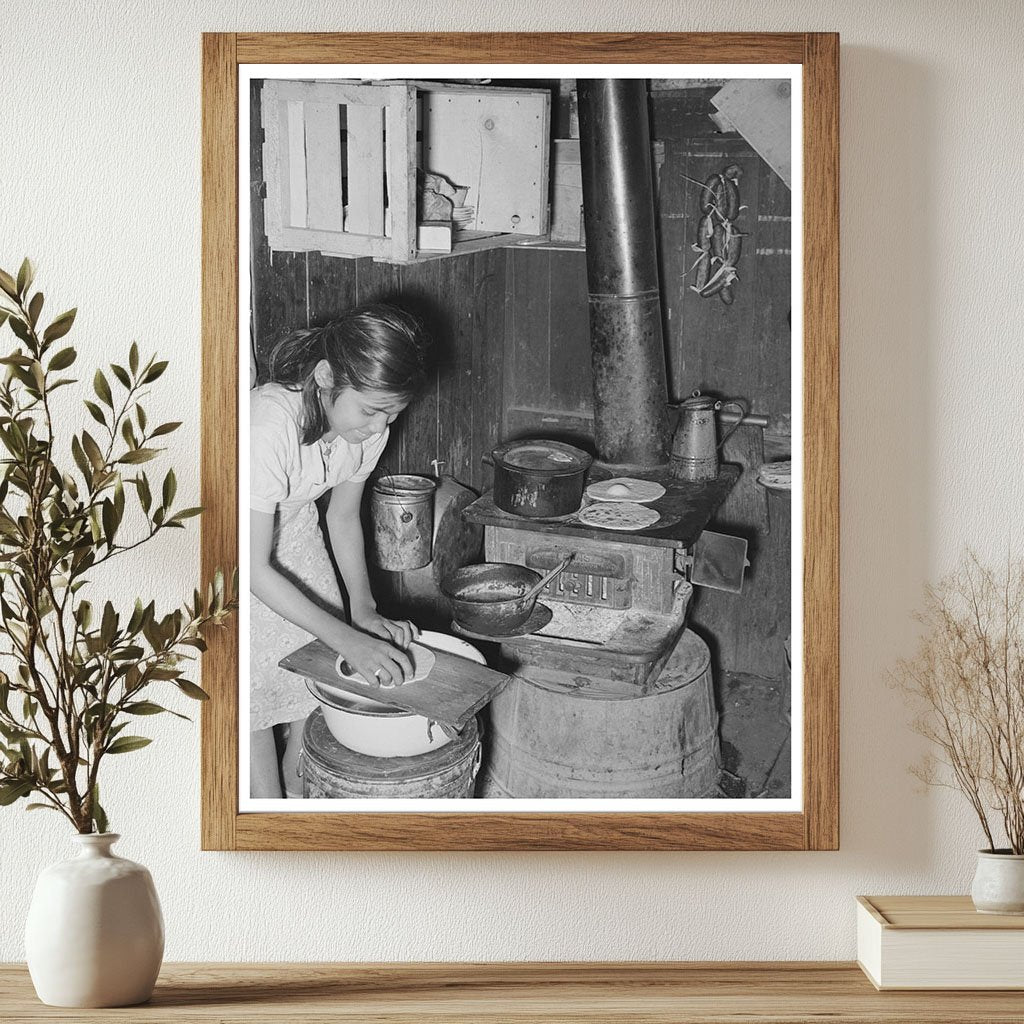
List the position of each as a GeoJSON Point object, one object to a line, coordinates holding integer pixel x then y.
{"type": "Point", "coordinates": [620, 607]}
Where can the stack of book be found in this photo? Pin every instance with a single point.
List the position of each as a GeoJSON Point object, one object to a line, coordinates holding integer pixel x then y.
{"type": "Point", "coordinates": [938, 942]}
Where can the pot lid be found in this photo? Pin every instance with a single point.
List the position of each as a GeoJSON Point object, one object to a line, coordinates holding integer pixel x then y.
{"type": "Point", "coordinates": [699, 401]}
{"type": "Point", "coordinates": [541, 456]}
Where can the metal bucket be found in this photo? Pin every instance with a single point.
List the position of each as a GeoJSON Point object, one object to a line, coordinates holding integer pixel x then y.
{"type": "Point", "coordinates": [332, 771]}
{"type": "Point", "coordinates": [402, 511]}
{"type": "Point", "coordinates": [564, 741]}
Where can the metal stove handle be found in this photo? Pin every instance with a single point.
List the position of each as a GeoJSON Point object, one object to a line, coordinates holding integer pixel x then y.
{"type": "Point", "coordinates": [613, 566]}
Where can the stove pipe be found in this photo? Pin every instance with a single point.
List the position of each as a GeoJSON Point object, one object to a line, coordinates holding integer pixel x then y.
{"type": "Point", "coordinates": [626, 344]}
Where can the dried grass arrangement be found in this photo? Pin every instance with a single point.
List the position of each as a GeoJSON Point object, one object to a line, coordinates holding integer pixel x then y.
{"type": "Point", "coordinates": [967, 680]}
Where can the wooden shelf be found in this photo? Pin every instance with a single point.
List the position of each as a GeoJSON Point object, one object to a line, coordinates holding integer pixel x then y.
{"type": "Point", "coordinates": [523, 993]}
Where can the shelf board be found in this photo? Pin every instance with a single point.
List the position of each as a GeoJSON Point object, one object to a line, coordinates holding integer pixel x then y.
{"type": "Point", "coordinates": [526, 993]}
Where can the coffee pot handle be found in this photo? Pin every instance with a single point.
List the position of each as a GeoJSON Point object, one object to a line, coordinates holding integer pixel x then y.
{"type": "Point", "coordinates": [743, 412]}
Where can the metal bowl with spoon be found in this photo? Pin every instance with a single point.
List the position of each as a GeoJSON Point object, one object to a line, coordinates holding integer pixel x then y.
{"type": "Point", "coordinates": [496, 597]}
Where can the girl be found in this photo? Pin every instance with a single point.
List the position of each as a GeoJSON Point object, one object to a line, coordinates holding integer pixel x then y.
{"type": "Point", "coordinates": [320, 425]}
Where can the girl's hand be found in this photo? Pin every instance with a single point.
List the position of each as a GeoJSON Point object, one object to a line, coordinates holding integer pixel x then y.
{"type": "Point", "coordinates": [377, 661]}
{"type": "Point", "coordinates": [399, 631]}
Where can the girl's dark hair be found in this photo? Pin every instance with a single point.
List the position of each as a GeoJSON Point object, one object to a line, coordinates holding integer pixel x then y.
{"type": "Point", "coordinates": [375, 347]}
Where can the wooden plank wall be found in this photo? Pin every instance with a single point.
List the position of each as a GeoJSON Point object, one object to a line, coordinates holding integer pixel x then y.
{"type": "Point", "coordinates": [547, 361]}
{"type": "Point", "coordinates": [742, 350]}
{"type": "Point", "coordinates": [460, 299]}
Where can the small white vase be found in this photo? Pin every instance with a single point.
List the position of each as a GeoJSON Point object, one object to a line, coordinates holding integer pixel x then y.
{"type": "Point", "coordinates": [999, 882]}
{"type": "Point", "coordinates": [95, 934]}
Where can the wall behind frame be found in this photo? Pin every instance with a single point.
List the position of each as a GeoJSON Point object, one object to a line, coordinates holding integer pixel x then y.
{"type": "Point", "coordinates": [106, 197]}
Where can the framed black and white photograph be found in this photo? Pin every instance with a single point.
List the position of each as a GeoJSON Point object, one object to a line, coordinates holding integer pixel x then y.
{"type": "Point", "coordinates": [521, 422]}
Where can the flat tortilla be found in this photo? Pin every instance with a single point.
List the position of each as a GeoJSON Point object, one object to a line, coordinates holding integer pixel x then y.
{"type": "Point", "coordinates": [618, 515]}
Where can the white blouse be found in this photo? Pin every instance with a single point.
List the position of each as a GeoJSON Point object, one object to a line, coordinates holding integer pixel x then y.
{"type": "Point", "coordinates": [283, 471]}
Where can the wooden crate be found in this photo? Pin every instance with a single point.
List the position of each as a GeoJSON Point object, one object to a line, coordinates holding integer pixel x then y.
{"type": "Point", "coordinates": [340, 161]}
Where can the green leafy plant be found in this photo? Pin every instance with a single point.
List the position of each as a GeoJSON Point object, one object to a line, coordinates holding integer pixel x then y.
{"type": "Point", "coordinates": [967, 682]}
{"type": "Point", "coordinates": [80, 673]}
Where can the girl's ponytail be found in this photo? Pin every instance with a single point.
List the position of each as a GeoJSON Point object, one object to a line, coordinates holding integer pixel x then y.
{"type": "Point", "coordinates": [294, 357]}
{"type": "Point", "coordinates": [292, 364]}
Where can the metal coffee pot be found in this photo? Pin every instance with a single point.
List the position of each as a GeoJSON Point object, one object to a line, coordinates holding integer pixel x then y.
{"type": "Point", "coordinates": [695, 443]}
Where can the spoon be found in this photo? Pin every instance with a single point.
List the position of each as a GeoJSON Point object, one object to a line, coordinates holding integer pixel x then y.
{"type": "Point", "coordinates": [546, 579]}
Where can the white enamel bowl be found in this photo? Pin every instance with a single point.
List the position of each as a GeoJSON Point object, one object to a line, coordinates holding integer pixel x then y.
{"type": "Point", "coordinates": [380, 730]}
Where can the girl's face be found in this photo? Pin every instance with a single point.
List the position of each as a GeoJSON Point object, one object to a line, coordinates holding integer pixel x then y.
{"type": "Point", "coordinates": [359, 415]}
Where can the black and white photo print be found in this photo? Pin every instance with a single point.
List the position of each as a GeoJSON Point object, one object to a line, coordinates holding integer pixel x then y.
{"type": "Point", "coordinates": [520, 448]}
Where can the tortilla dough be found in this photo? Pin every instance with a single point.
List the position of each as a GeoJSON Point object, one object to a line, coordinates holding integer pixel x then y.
{"type": "Point", "coordinates": [625, 488]}
{"type": "Point", "coordinates": [423, 659]}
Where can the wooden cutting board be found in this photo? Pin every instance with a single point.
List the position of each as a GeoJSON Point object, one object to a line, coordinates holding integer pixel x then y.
{"type": "Point", "coordinates": [454, 691]}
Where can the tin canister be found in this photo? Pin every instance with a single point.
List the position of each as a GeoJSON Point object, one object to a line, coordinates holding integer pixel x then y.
{"type": "Point", "coordinates": [402, 512]}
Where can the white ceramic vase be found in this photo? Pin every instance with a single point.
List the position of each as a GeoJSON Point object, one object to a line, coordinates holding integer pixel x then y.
{"type": "Point", "coordinates": [999, 883]}
{"type": "Point", "coordinates": [95, 933]}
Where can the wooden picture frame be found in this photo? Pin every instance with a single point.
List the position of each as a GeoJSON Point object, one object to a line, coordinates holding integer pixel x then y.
{"type": "Point", "coordinates": [816, 826]}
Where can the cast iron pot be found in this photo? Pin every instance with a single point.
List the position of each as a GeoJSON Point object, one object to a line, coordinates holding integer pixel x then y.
{"type": "Point", "coordinates": [489, 599]}
{"type": "Point", "coordinates": [539, 479]}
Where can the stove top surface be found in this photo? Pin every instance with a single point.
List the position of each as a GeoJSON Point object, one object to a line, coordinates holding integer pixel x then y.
{"type": "Point", "coordinates": [686, 509]}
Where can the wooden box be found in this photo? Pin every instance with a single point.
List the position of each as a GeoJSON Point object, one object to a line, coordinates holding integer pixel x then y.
{"type": "Point", "coordinates": [341, 160]}
{"type": "Point", "coordinates": [938, 942]}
